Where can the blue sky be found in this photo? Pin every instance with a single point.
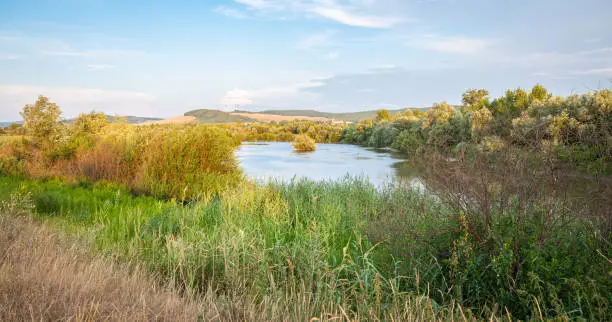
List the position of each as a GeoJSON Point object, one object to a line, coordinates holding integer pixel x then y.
{"type": "Point", "coordinates": [163, 58]}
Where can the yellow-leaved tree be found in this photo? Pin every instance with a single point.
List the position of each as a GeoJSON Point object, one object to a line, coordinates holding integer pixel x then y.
{"type": "Point", "coordinates": [41, 119]}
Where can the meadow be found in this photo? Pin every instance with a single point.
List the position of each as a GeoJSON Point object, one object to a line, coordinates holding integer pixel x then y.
{"type": "Point", "coordinates": [497, 235]}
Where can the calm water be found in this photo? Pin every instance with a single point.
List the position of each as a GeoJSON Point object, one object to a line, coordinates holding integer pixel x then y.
{"type": "Point", "coordinates": [277, 160]}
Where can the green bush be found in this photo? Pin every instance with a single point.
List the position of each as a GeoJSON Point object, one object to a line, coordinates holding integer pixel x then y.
{"type": "Point", "coordinates": [303, 143]}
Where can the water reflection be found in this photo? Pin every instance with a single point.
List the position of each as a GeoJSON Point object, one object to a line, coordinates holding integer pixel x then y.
{"type": "Point", "coordinates": [278, 160]}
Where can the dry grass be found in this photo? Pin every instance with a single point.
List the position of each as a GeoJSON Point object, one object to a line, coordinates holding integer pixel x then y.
{"type": "Point", "coordinates": [279, 118]}
{"type": "Point", "coordinates": [47, 276]}
{"type": "Point", "coordinates": [174, 120]}
{"type": "Point", "coordinates": [44, 276]}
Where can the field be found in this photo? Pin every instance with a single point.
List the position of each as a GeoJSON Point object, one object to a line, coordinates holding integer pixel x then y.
{"type": "Point", "coordinates": [260, 117]}
{"type": "Point", "coordinates": [158, 222]}
{"type": "Point", "coordinates": [173, 120]}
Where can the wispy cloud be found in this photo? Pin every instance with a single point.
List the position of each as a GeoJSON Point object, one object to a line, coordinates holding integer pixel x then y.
{"type": "Point", "coordinates": [347, 12]}
{"type": "Point", "coordinates": [75, 99]}
{"type": "Point", "coordinates": [320, 44]}
{"type": "Point", "coordinates": [271, 96]}
{"type": "Point", "coordinates": [356, 20]}
{"type": "Point", "coordinates": [5, 56]}
{"type": "Point", "coordinates": [68, 52]}
{"type": "Point", "coordinates": [259, 4]}
{"type": "Point", "coordinates": [99, 67]}
{"type": "Point", "coordinates": [595, 71]}
{"type": "Point", "coordinates": [317, 40]}
{"type": "Point", "coordinates": [453, 45]}
{"type": "Point", "coordinates": [231, 12]}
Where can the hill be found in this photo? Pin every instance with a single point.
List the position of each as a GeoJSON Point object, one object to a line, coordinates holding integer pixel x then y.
{"type": "Point", "coordinates": [6, 124]}
{"type": "Point", "coordinates": [349, 117]}
{"type": "Point", "coordinates": [216, 116]}
{"type": "Point", "coordinates": [137, 119]}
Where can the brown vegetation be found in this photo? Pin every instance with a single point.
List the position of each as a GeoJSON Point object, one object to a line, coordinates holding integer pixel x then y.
{"type": "Point", "coordinates": [44, 276]}
{"type": "Point", "coordinates": [174, 120]}
{"type": "Point", "coordinates": [279, 118]}
{"type": "Point", "coordinates": [304, 143]}
{"type": "Point", "coordinates": [47, 276]}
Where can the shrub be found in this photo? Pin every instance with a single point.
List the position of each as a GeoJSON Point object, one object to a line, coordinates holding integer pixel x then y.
{"type": "Point", "coordinates": [185, 162]}
{"type": "Point", "coordinates": [303, 143]}
{"type": "Point", "coordinates": [40, 119]}
{"type": "Point", "coordinates": [382, 136]}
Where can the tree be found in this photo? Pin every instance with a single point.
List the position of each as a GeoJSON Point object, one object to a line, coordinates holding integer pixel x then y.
{"type": "Point", "coordinates": [382, 115]}
{"type": "Point", "coordinates": [90, 123]}
{"type": "Point", "coordinates": [440, 113]}
{"type": "Point", "coordinates": [86, 127]}
{"type": "Point", "coordinates": [538, 92]}
{"type": "Point", "coordinates": [40, 119]}
{"type": "Point", "coordinates": [474, 100]}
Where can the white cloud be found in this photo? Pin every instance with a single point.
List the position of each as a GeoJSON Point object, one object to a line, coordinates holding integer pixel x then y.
{"type": "Point", "coordinates": [317, 40]}
{"type": "Point", "coordinates": [257, 4]}
{"type": "Point", "coordinates": [99, 67]}
{"type": "Point", "coordinates": [74, 100]}
{"type": "Point", "coordinates": [332, 55]}
{"type": "Point", "coordinates": [271, 96]}
{"type": "Point", "coordinates": [231, 12]}
{"type": "Point", "coordinates": [68, 52]}
{"type": "Point", "coordinates": [595, 71]}
{"type": "Point", "coordinates": [596, 51]}
{"type": "Point", "coordinates": [355, 20]}
{"type": "Point", "coordinates": [454, 45]}
{"type": "Point", "coordinates": [4, 56]}
{"type": "Point", "coordinates": [364, 13]}
{"type": "Point", "coordinates": [320, 44]}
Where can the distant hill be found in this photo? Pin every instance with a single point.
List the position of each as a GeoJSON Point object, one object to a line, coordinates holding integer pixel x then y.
{"type": "Point", "coordinates": [351, 116]}
{"type": "Point", "coordinates": [130, 119]}
{"type": "Point", "coordinates": [6, 124]}
{"type": "Point", "coordinates": [136, 119]}
{"type": "Point", "coordinates": [216, 116]}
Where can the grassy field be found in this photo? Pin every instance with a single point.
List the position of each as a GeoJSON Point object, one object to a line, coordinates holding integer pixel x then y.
{"type": "Point", "coordinates": [327, 250]}
{"type": "Point", "coordinates": [8, 139]}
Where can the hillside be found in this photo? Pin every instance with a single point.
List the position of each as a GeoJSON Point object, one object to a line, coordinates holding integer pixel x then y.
{"type": "Point", "coordinates": [216, 116]}
{"type": "Point", "coordinates": [137, 119]}
{"type": "Point", "coordinates": [351, 116]}
{"type": "Point", "coordinates": [6, 124]}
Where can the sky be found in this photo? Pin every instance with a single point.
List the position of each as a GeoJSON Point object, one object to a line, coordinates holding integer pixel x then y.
{"type": "Point", "coordinates": [163, 58]}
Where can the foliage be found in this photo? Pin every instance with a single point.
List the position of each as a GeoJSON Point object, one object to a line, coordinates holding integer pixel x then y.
{"type": "Point", "coordinates": [285, 131]}
{"type": "Point", "coordinates": [575, 129]}
{"type": "Point", "coordinates": [41, 119]}
{"type": "Point", "coordinates": [304, 143]}
{"type": "Point", "coordinates": [185, 162]}
{"type": "Point", "coordinates": [383, 115]}
{"type": "Point", "coordinates": [347, 243]}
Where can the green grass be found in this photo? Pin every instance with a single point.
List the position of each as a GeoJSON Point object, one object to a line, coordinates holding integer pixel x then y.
{"type": "Point", "coordinates": [338, 244]}
{"type": "Point", "coordinates": [216, 116]}
{"type": "Point", "coordinates": [7, 139]}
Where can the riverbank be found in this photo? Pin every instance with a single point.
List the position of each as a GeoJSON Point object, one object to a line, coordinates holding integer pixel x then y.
{"type": "Point", "coordinates": [342, 249]}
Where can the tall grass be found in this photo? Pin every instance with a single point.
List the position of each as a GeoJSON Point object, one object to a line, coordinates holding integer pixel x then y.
{"type": "Point", "coordinates": [45, 275]}
{"type": "Point", "coordinates": [336, 249]}
{"type": "Point", "coordinates": [181, 162]}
